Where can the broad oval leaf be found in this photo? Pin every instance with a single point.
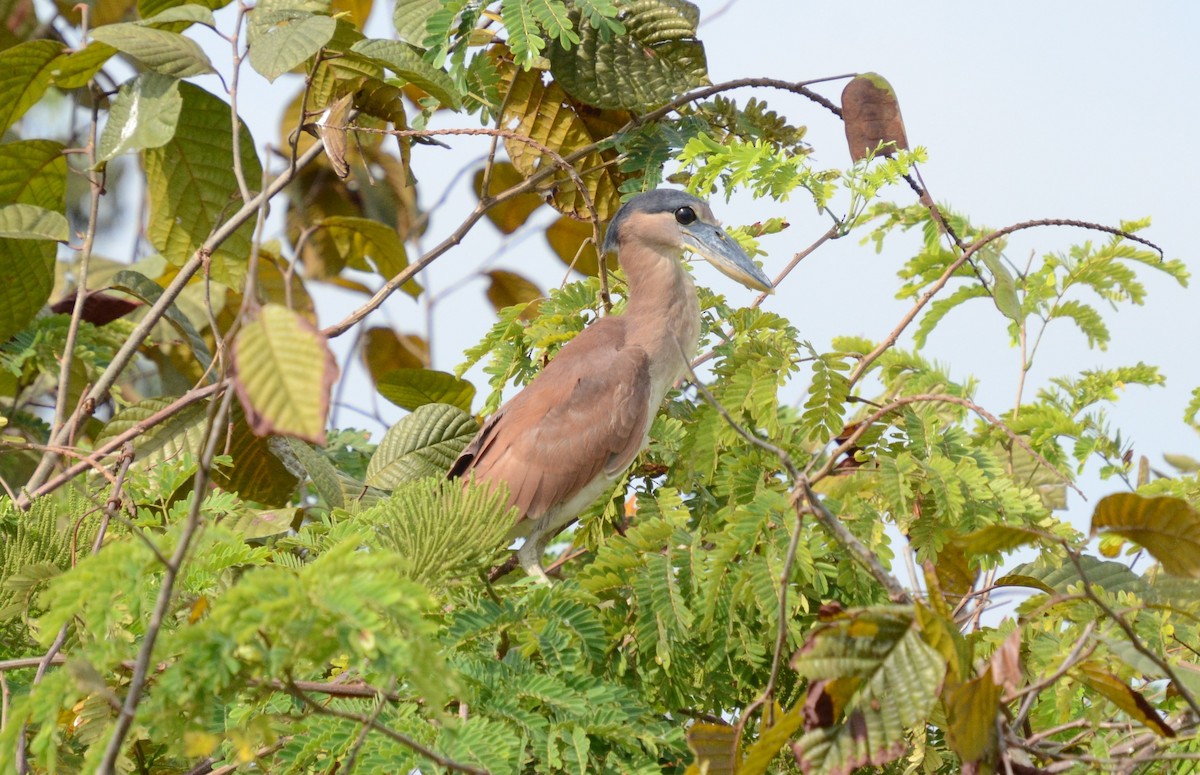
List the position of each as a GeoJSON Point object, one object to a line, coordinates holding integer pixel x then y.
{"type": "Point", "coordinates": [410, 17]}
{"type": "Point", "coordinates": [658, 58]}
{"type": "Point", "coordinates": [971, 709]}
{"type": "Point", "coordinates": [1167, 527]}
{"type": "Point", "coordinates": [508, 289]}
{"type": "Point", "coordinates": [163, 51]}
{"type": "Point", "coordinates": [368, 245]}
{"type": "Point", "coordinates": [32, 172]}
{"type": "Point", "coordinates": [871, 114]}
{"type": "Point", "coordinates": [511, 214]}
{"type": "Point", "coordinates": [425, 443]}
{"type": "Point", "coordinates": [149, 291]}
{"type": "Point", "coordinates": [282, 39]}
{"type": "Point", "coordinates": [25, 72]}
{"type": "Point", "coordinates": [284, 374]}
{"type": "Point", "coordinates": [545, 114]}
{"type": "Point", "coordinates": [142, 116]}
{"type": "Point", "coordinates": [898, 676]}
{"type": "Point", "coordinates": [257, 473]}
{"type": "Point", "coordinates": [410, 66]}
{"type": "Point", "coordinates": [180, 433]}
{"type": "Point", "coordinates": [1004, 288]}
{"type": "Point", "coordinates": [1123, 696]}
{"type": "Point", "coordinates": [571, 241]}
{"type": "Point", "coordinates": [411, 388]}
{"type": "Point", "coordinates": [191, 186]}
{"type": "Point", "coordinates": [77, 68]}
{"type": "Point", "coordinates": [21, 221]}
{"type": "Point", "coordinates": [385, 350]}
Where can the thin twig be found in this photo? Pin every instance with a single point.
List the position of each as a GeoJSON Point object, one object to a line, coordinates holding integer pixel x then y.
{"type": "Point", "coordinates": [387, 731]}
{"type": "Point", "coordinates": [1131, 634]}
{"type": "Point", "coordinates": [129, 349]}
{"type": "Point", "coordinates": [116, 442]}
{"type": "Point", "coordinates": [218, 412]}
{"type": "Point", "coordinates": [111, 508]}
{"type": "Point", "coordinates": [96, 190]}
{"type": "Point", "coordinates": [865, 425]}
{"type": "Point", "coordinates": [1080, 651]}
{"type": "Point", "coordinates": [954, 266]}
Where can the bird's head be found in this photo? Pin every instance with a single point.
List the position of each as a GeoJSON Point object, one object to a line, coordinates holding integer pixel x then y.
{"type": "Point", "coordinates": [675, 220]}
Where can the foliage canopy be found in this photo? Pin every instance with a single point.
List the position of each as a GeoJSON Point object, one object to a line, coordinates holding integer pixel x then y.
{"type": "Point", "coordinates": [199, 574]}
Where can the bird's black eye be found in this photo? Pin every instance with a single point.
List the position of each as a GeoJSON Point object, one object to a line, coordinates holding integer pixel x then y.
{"type": "Point", "coordinates": [685, 215]}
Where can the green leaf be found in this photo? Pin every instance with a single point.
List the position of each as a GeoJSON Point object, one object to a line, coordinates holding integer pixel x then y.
{"type": "Point", "coordinates": [191, 186]}
{"type": "Point", "coordinates": [32, 172]}
{"type": "Point", "coordinates": [77, 68]}
{"type": "Point", "coordinates": [410, 17]}
{"type": "Point", "coordinates": [149, 291]}
{"type": "Point", "coordinates": [142, 116]}
{"type": "Point", "coordinates": [257, 473]}
{"type": "Point", "coordinates": [443, 529]}
{"type": "Point", "coordinates": [25, 72]}
{"type": "Point", "coordinates": [331, 484]}
{"type": "Point", "coordinates": [522, 28]}
{"type": "Point", "coordinates": [1113, 577]}
{"type": "Point", "coordinates": [20, 221]}
{"type": "Point", "coordinates": [282, 39]}
{"type": "Point", "coordinates": [997, 538]}
{"type": "Point", "coordinates": [169, 53]}
{"type": "Point", "coordinates": [657, 59]}
{"type": "Point", "coordinates": [411, 388]}
{"type": "Point", "coordinates": [422, 444]}
{"type": "Point", "coordinates": [359, 240]}
{"type": "Point", "coordinates": [1004, 288]}
{"type": "Point", "coordinates": [1167, 527]}
{"type": "Point", "coordinates": [409, 65]}
{"type": "Point", "coordinates": [191, 13]}
{"type": "Point", "coordinates": [284, 373]}
{"type": "Point", "coordinates": [179, 434]}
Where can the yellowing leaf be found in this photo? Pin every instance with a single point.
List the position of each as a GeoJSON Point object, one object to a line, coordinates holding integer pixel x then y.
{"type": "Point", "coordinates": [971, 710]}
{"type": "Point", "coordinates": [362, 240]}
{"type": "Point", "coordinates": [284, 374]}
{"type": "Point", "coordinates": [508, 289]}
{"type": "Point", "coordinates": [570, 239]}
{"type": "Point", "coordinates": [385, 350]}
{"type": "Point", "coordinates": [715, 748]}
{"type": "Point", "coordinates": [545, 114]}
{"type": "Point", "coordinates": [25, 73]}
{"type": "Point", "coordinates": [1123, 696]}
{"type": "Point", "coordinates": [199, 744]}
{"type": "Point", "coordinates": [511, 214]}
{"type": "Point", "coordinates": [1167, 527]}
{"type": "Point", "coordinates": [771, 741]}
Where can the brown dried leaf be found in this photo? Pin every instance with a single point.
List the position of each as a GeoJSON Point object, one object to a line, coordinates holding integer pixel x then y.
{"type": "Point", "coordinates": [871, 114]}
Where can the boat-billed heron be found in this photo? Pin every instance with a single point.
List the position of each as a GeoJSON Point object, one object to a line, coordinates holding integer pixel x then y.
{"type": "Point", "coordinates": [564, 440]}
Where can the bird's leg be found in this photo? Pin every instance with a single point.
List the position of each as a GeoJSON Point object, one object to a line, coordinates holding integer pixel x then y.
{"type": "Point", "coordinates": [529, 556]}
